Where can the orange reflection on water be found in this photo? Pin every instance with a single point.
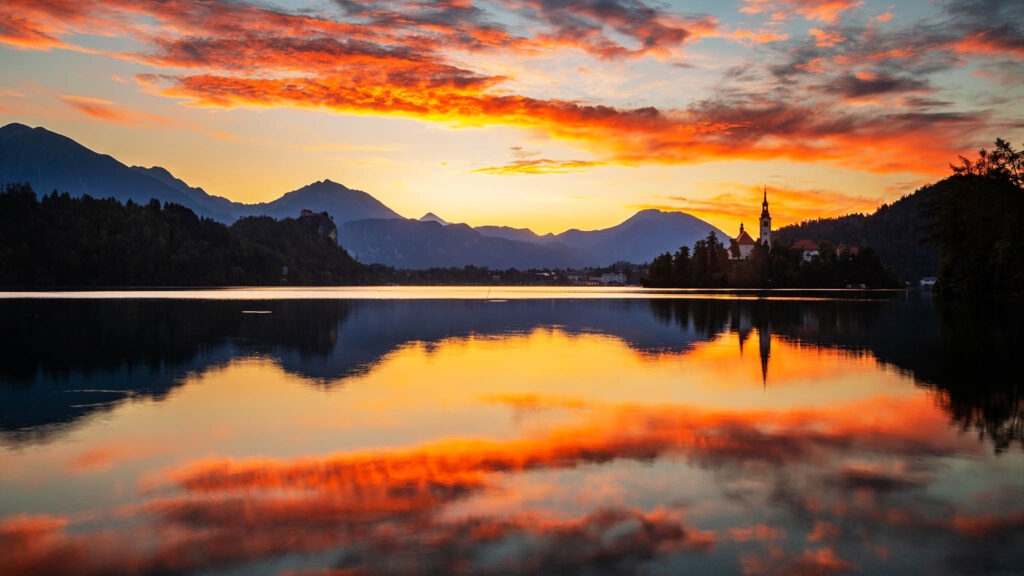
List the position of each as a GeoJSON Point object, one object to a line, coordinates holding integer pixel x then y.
{"type": "Point", "coordinates": [450, 456]}
{"type": "Point", "coordinates": [324, 502]}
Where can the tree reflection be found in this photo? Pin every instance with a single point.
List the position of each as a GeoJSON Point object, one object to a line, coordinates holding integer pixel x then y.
{"type": "Point", "coordinates": [97, 353]}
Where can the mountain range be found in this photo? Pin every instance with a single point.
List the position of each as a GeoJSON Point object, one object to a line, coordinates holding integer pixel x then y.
{"type": "Point", "coordinates": [367, 229]}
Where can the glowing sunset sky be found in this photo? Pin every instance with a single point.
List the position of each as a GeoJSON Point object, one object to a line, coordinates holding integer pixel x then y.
{"type": "Point", "coordinates": [548, 114]}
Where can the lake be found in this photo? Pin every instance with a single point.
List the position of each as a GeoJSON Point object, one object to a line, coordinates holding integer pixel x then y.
{"type": "Point", "coordinates": [509, 431]}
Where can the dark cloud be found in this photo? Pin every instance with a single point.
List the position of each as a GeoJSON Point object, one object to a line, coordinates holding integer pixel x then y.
{"type": "Point", "coordinates": [585, 24]}
{"type": "Point", "coordinates": [852, 86]}
{"type": "Point", "coordinates": [877, 480]}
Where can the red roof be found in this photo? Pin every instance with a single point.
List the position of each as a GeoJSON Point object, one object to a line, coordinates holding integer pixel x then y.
{"type": "Point", "coordinates": [744, 238]}
{"type": "Point", "coordinates": [805, 245]}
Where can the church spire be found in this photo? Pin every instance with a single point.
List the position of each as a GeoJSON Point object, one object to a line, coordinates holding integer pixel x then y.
{"type": "Point", "coordinates": [766, 222]}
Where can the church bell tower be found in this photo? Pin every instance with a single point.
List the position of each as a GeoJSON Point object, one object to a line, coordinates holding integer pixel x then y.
{"type": "Point", "coordinates": [766, 222]}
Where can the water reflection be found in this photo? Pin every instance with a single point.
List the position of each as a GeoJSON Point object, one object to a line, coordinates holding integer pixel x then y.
{"type": "Point", "coordinates": [355, 437]}
{"type": "Point", "coordinates": [67, 359]}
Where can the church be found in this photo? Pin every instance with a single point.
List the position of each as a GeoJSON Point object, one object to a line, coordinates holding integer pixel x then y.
{"type": "Point", "coordinates": [745, 242]}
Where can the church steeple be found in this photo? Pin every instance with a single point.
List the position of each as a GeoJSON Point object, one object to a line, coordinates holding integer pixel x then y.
{"type": "Point", "coordinates": [766, 222]}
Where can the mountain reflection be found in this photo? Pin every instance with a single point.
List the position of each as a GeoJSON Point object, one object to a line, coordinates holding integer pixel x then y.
{"type": "Point", "coordinates": [66, 359]}
{"type": "Point", "coordinates": [350, 437]}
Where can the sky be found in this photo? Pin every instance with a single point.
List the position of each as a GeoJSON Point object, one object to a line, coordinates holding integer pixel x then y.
{"type": "Point", "coordinates": [543, 114]}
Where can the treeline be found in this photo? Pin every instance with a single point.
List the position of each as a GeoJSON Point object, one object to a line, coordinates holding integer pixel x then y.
{"type": "Point", "coordinates": [482, 275]}
{"type": "Point", "coordinates": [975, 219]}
{"type": "Point", "coordinates": [710, 266]}
{"type": "Point", "coordinates": [58, 240]}
{"type": "Point", "coordinates": [63, 241]}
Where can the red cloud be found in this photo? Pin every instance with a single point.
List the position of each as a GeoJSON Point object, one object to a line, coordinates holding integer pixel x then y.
{"type": "Point", "coordinates": [822, 10]}
{"type": "Point", "coordinates": [812, 562]}
{"type": "Point", "coordinates": [755, 130]}
{"type": "Point", "coordinates": [389, 61]}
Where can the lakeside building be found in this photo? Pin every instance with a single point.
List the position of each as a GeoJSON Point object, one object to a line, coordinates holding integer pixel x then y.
{"type": "Point", "coordinates": [809, 248]}
{"type": "Point", "coordinates": [745, 242]}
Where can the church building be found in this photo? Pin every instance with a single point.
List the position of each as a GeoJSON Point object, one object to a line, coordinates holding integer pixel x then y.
{"type": "Point", "coordinates": [745, 242]}
{"type": "Point", "coordinates": [766, 222]}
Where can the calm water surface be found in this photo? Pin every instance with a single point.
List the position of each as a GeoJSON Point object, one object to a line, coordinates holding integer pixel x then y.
{"type": "Point", "coordinates": [515, 432]}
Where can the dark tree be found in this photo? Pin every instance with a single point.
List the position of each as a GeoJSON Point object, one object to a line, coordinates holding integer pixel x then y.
{"type": "Point", "coordinates": [63, 241]}
{"type": "Point", "coordinates": [975, 221]}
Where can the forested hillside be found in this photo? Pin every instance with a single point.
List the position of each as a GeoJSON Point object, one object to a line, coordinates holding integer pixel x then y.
{"type": "Point", "coordinates": [975, 219]}
{"type": "Point", "coordinates": [63, 241]}
{"type": "Point", "coordinates": [894, 231]}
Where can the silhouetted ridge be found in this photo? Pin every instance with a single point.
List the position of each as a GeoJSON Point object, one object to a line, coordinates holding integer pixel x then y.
{"type": "Point", "coordinates": [49, 161]}
{"type": "Point", "coordinates": [892, 230]}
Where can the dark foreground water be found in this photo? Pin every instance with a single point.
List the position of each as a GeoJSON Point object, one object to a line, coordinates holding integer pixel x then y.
{"type": "Point", "coordinates": [567, 436]}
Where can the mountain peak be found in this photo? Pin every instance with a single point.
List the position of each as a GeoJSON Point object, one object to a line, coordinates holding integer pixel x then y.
{"type": "Point", "coordinates": [152, 170]}
{"type": "Point", "coordinates": [342, 202]}
{"type": "Point", "coordinates": [323, 185]}
{"type": "Point", "coordinates": [37, 134]}
{"type": "Point", "coordinates": [52, 161]}
{"type": "Point", "coordinates": [654, 214]}
{"type": "Point", "coordinates": [15, 127]}
{"type": "Point", "coordinates": [649, 213]}
{"type": "Point", "coordinates": [431, 217]}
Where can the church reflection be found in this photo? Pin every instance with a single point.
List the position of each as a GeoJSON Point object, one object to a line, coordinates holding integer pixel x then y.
{"type": "Point", "coordinates": [112, 351]}
{"type": "Point", "coordinates": [744, 327]}
{"type": "Point", "coordinates": [549, 437]}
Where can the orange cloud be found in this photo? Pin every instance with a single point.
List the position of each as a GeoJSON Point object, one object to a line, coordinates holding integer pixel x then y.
{"type": "Point", "coordinates": [759, 37]}
{"type": "Point", "coordinates": [788, 205]}
{"type": "Point", "coordinates": [538, 166]}
{"type": "Point", "coordinates": [110, 112]}
{"type": "Point", "coordinates": [825, 38]}
{"type": "Point", "coordinates": [991, 43]}
{"type": "Point", "coordinates": [812, 562]}
{"type": "Point", "coordinates": [754, 130]}
{"type": "Point", "coordinates": [822, 10]}
{"type": "Point", "coordinates": [757, 533]}
{"type": "Point", "coordinates": [988, 526]}
{"type": "Point", "coordinates": [389, 61]}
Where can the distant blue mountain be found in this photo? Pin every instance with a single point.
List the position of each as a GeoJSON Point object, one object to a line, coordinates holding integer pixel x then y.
{"type": "Point", "coordinates": [424, 244]}
{"type": "Point", "coordinates": [369, 230]}
{"type": "Point", "coordinates": [427, 244]}
{"type": "Point", "coordinates": [49, 161]}
{"type": "Point", "coordinates": [517, 234]}
{"type": "Point", "coordinates": [344, 204]}
{"type": "Point", "coordinates": [640, 238]}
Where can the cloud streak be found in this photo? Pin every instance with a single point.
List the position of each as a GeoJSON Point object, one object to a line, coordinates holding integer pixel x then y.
{"type": "Point", "coordinates": [538, 166]}
{"type": "Point", "coordinates": [386, 59]}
